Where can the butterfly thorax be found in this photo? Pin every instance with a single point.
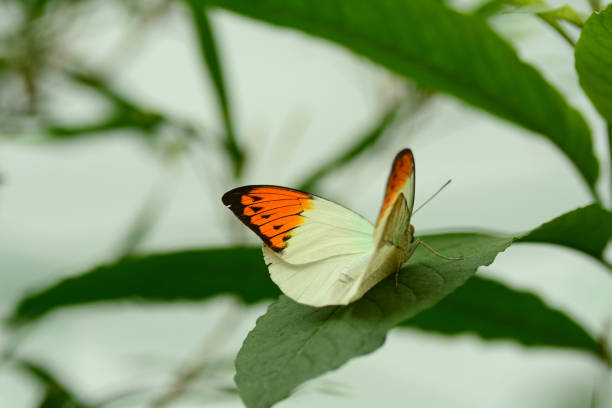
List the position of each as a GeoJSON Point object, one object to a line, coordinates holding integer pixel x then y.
{"type": "Point", "coordinates": [388, 259]}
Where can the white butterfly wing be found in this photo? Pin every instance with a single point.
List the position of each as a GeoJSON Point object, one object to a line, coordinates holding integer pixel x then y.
{"type": "Point", "coordinates": [330, 281]}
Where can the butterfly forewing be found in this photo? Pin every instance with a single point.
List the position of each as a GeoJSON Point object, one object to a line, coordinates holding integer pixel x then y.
{"type": "Point", "coordinates": [297, 226]}
{"type": "Point", "coordinates": [401, 180]}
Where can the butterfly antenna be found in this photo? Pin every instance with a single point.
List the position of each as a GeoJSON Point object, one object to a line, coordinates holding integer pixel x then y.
{"type": "Point", "coordinates": [431, 198]}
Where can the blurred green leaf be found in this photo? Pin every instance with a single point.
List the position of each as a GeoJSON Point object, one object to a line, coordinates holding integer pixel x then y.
{"type": "Point", "coordinates": [489, 8]}
{"type": "Point", "coordinates": [101, 86]}
{"type": "Point", "coordinates": [201, 274]}
{"type": "Point", "coordinates": [125, 113]}
{"type": "Point", "coordinates": [595, 4]}
{"type": "Point", "coordinates": [485, 308]}
{"type": "Point", "coordinates": [187, 275]}
{"type": "Point", "coordinates": [357, 149]}
{"type": "Point", "coordinates": [56, 394]}
{"type": "Point", "coordinates": [539, 8]}
{"type": "Point", "coordinates": [587, 229]}
{"type": "Point", "coordinates": [210, 56]}
{"type": "Point", "coordinates": [566, 13]}
{"type": "Point", "coordinates": [292, 342]}
{"type": "Point", "coordinates": [493, 311]}
{"type": "Point", "coordinates": [146, 122]}
{"type": "Point", "coordinates": [444, 50]}
{"type": "Point", "coordinates": [247, 277]}
{"type": "Point", "coordinates": [593, 57]}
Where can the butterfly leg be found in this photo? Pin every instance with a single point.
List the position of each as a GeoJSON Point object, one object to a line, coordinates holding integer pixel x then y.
{"type": "Point", "coordinates": [433, 251]}
{"type": "Point", "coordinates": [411, 250]}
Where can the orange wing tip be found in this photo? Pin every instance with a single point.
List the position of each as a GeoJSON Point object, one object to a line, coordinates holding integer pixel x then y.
{"type": "Point", "coordinates": [401, 170]}
{"type": "Point", "coordinates": [271, 212]}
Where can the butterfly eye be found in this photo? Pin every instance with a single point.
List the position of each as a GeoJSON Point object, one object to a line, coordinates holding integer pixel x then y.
{"type": "Point", "coordinates": [411, 232]}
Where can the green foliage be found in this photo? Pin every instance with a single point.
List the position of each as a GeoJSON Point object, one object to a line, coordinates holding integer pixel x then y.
{"type": "Point", "coordinates": [201, 274]}
{"type": "Point", "coordinates": [187, 275]}
{"type": "Point", "coordinates": [565, 13]}
{"type": "Point", "coordinates": [125, 114]}
{"type": "Point", "coordinates": [292, 343]}
{"type": "Point", "coordinates": [593, 60]}
{"type": "Point", "coordinates": [587, 229]}
{"type": "Point", "coordinates": [540, 8]}
{"type": "Point", "coordinates": [444, 50]}
{"type": "Point", "coordinates": [493, 311]}
{"type": "Point", "coordinates": [422, 40]}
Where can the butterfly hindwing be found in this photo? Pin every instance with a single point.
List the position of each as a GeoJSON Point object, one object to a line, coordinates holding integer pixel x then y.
{"type": "Point", "coordinates": [332, 281]}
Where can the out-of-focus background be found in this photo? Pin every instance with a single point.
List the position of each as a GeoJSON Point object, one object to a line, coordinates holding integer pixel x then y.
{"type": "Point", "coordinates": [69, 198]}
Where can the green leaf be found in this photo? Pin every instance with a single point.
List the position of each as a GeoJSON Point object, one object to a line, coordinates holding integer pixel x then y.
{"type": "Point", "coordinates": [595, 4]}
{"type": "Point", "coordinates": [587, 229]}
{"type": "Point", "coordinates": [363, 143]}
{"type": "Point", "coordinates": [292, 343]}
{"type": "Point", "coordinates": [208, 48]}
{"type": "Point", "coordinates": [539, 7]}
{"type": "Point", "coordinates": [187, 275]}
{"type": "Point", "coordinates": [148, 123]}
{"type": "Point", "coordinates": [185, 284]}
{"type": "Point", "coordinates": [493, 311]}
{"type": "Point", "coordinates": [198, 275]}
{"type": "Point", "coordinates": [125, 114]}
{"type": "Point", "coordinates": [593, 57]}
{"type": "Point", "coordinates": [445, 50]}
{"type": "Point", "coordinates": [489, 8]}
{"type": "Point", "coordinates": [566, 13]}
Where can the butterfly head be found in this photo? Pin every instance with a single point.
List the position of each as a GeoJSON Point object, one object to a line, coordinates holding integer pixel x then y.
{"type": "Point", "coordinates": [410, 233]}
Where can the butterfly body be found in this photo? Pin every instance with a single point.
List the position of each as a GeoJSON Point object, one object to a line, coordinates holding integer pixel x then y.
{"type": "Point", "coordinates": [320, 253]}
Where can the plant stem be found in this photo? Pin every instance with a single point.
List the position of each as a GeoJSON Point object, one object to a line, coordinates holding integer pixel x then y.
{"type": "Point", "coordinates": [601, 390]}
{"type": "Point", "coordinates": [210, 57]}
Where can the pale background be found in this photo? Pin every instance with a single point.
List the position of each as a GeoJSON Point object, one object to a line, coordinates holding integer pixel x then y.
{"type": "Point", "coordinates": [297, 100]}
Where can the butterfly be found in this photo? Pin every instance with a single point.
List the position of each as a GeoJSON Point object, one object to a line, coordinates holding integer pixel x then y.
{"type": "Point", "coordinates": [320, 253]}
